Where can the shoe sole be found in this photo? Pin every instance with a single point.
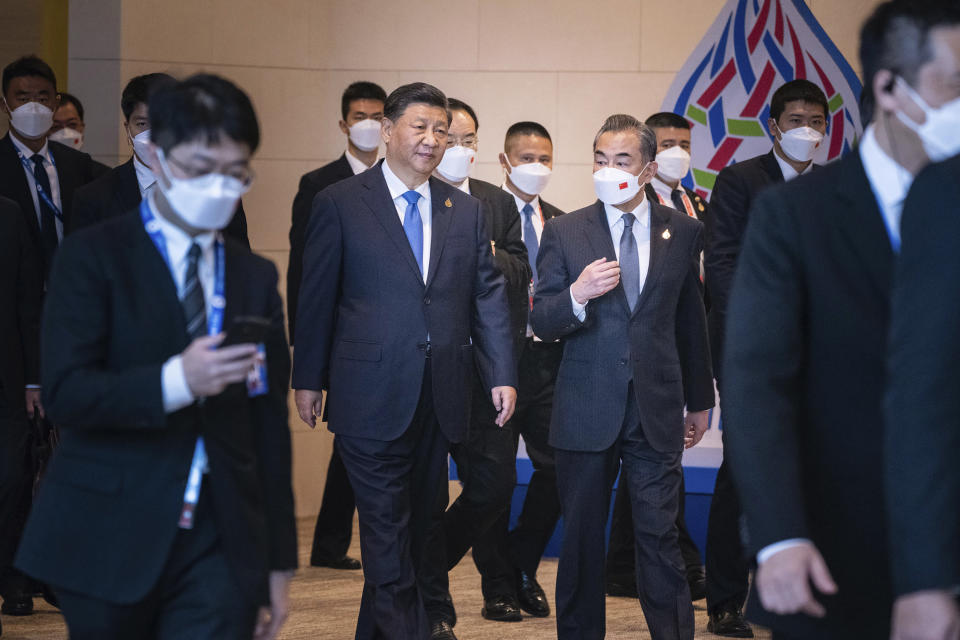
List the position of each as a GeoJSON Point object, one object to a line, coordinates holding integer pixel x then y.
{"type": "Point", "coordinates": [516, 618]}
{"type": "Point", "coordinates": [738, 634]}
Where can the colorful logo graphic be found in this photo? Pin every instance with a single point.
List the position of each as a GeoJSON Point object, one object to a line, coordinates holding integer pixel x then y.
{"type": "Point", "coordinates": [724, 89]}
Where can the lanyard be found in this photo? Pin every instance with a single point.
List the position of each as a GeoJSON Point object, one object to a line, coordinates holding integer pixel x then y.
{"type": "Point", "coordinates": [47, 199]}
{"type": "Point", "coordinates": [214, 325]}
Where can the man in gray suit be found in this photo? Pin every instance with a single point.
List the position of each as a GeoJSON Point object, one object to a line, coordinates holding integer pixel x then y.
{"type": "Point", "coordinates": [619, 282]}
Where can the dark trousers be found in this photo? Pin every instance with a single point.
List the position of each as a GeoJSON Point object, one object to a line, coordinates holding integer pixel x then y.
{"type": "Point", "coordinates": [401, 492]}
{"type": "Point", "coordinates": [585, 480]}
{"type": "Point", "coordinates": [16, 485]}
{"type": "Point", "coordinates": [334, 528]}
{"type": "Point", "coordinates": [621, 566]}
{"type": "Point", "coordinates": [196, 597]}
{"type": "Point", "coordinates": [727, 566]}
{"type": "Point", "coordinates": [497, 552]}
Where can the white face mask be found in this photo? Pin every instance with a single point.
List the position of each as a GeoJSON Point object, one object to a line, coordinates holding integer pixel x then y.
{"type": "Point", "coordinates": [366, 134]}
{"type": "Point", "coordinates": [800, 144]}
{"type": "Point", "coordinates": [673, 163]}
{"type": "Point", "coordinates": [70, 137]}
{"type": "Point", "coordinates": [457, 163]}
{"type": "Point", "coordinates": [31, 120]}
{"type": "Point", "coordinates": [141, 145]}
{"type": "Point", "coordinates": [940, 132]}
{"type": "Point", "coordinates": [616, 186]}
{"type": "Point", "coordinates": [207, 202]}
{"type": "Point", "coordinates": [531, 178]}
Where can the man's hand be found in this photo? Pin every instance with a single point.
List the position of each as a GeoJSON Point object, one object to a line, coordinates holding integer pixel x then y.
{"type": "Point", "coordinates": [926, 615]}
{"type": "Point", "coordinates": [597, 278]}
{"type": "Point", "coordinates": [695, 425]}
{"type": "Point", "coordinates": [783, 581]}
{"type": "Point", "coordinates": [209, 370]}
{"type": "Point", "coordinates": [504, 401]}
{"type": "Point", "coordinates": [309, 405]}
{"type": "Point", "coordinates": [270, 619]}
{"type": "Point", "coordinates": [33, 403]}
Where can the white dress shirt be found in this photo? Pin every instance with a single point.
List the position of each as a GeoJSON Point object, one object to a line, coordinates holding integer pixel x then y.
{"type": "Point", "coordinates": [641, 232]}
{"type": "Point", "coordinates": [51, 175]}
{"type": "Point", "coordinates": [397, 188]}
{"type": "Point", "coordinates": [176, 392]}
{"type": "Point", "coordinates": [537, 219]}
{"type": "Point", "coordinates": [465, 186]}
{"type": "Point", "coordinates": [789, 173]}
{"type": "Point", "coordinates": [665, 192]}
{"type": "Point", "coordinates": [889, 181]}
{"type": "Point", "coordinates": [356, 163]}
{"type": "Point", "coordinates": [145, 177]}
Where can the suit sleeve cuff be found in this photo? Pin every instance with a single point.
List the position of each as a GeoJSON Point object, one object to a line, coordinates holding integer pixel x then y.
{"type": "Point", "coordinates": [32, 386]}
{"type": "Point", "coordinates": [579, 310]}
{"type": "Point", "coordinates": [176, 392]}
{"type": "Point", "coordinates": [773, 549]}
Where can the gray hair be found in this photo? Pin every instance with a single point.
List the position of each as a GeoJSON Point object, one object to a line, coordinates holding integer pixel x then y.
{"type": "Point", "coordinates": [624, 122]}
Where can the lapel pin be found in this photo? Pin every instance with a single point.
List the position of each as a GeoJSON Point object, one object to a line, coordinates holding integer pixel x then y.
{"type": "Point", "coordinates": [666, 234]}
{"type": "Point", "coordinates": [700, 205]}
{"type": "Point", "coordinates": [448, 203]}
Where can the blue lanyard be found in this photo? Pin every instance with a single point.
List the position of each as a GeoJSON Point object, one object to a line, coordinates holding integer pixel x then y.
{"type": "Point", "coordinates": [214, 325]}
{"type": "Point", "coordinates": [47, 199]}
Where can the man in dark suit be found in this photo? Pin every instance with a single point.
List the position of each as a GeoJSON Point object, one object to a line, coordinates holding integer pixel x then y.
{"type": "Point", "coordinates": [362, 109]}
{"type": "Point", "coordinates": [632, 360]}
{"type": "Point", "coordinates": [121, 189]}
{"type": "Point", "coordinates": [162, 443]}
{"type": "Point", "coordinates": [21, 287]}
{"type": "Point", "coordinates": [797, 108]}
{"type": "Point", "coordinates": [673, 164]}
{"type": "Point", "coordinates": [485, 460]}
{"type": "Point", "coordinates": [26, 157]}
{"type": "Point", "coordinates": [804, 384]}
{"type": "Point", "coordinates": [508, 560]}
{"type": "Point", "coordinates": [400, 289]}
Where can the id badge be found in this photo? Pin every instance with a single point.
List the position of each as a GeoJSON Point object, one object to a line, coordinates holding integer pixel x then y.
{"type": "Point", "coordinates": [257, 378]}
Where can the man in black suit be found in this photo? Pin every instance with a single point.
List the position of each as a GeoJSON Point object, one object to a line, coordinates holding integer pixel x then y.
{"type": "Point", "coordinates": [632, 360]}
{"type": "Point", "coordinates": [485, 460]}
{"type": "Point", "coordinates": [798, 114]}
{"type": "Point", "coordinates": [400, 288]}
{"type": "Point", "coordinates": [362, 109]}
{"type": "Point", "coordinates": [673, 163]}
{"type": "Point", "coordinates": [121, 189]}
{"type": "Point", "coordinates": [162, 442]}
{"type": "Point", "coordinates": [30, 98]}
{"type": "Point", "coordinates": [805, 347]}
{"type": "Point", "coordinates": [21, 287]}
{"type": "Point", "coordinates": [508, 560]}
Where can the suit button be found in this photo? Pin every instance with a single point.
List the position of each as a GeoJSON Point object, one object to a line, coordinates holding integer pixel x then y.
{"type": "Point", "coordinates": [623, 361]}
{"type": "Point", "coordinates": [426, 300]}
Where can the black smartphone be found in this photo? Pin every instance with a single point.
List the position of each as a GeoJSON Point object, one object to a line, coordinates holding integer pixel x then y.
{"type": "Point", "coordinates": [246, 330]}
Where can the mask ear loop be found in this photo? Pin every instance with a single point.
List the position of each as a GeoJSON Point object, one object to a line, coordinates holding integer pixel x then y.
{"type": "Point", "coordinates": [892, 135]}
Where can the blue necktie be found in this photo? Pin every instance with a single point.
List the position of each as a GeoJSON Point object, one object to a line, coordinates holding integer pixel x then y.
{"type": "Point", "coordinates": [413, 227]}
{"type": "Point", "coordinates": [530, 239]}
{"type": "Point", "coordinates": [629, 262]}
{"type": "Point", "coordinates": [48, 219]}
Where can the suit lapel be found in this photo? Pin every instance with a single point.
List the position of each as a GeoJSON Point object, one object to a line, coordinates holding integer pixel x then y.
{"type": "Point", "coordinates": [772, 167]}
{"type": "Point", "coordinates": [441, 215]}
{"type": "Point", "coordinates": [127, 193]}
{"type": "Point", "coordinates": [66, 177]}
{"type": "Point", "coordinates": [660, 233]}
{"type": "Point", "coordinates": [377, 198]}
{"type": "Point", "coordinates": [164, 301]}
{"type": "Point", "coordinates": [598, 235]}
{"type": "Point", "coordinates": [11, 166]}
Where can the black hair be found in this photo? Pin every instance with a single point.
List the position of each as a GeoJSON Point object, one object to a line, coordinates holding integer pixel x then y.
{"type": "Point", "coordinates": [69, 98]}
{"type": "Point", "coordinates": [624, 122]}
{"type": "Point", "coordinates": [794, 90]}
{"type": "Point", "coordinates": [416, 93]}
{"type": "Point", "coordinates": [896, 38]}
{"type": "Point", "coordinates": [361, 91]}
{"type": "Point", "coordinates": [666, 119]}
{"type": "Point", "coordinates": [526, 128]}
{"type": "Point", "coordinates": [460, 105]}
{"type": "Point", "coordinates": [28, 66]}
{"type": "Point", "coordinates": [202, 107]}
{"type": "Point", "coordinates": [139, 89]}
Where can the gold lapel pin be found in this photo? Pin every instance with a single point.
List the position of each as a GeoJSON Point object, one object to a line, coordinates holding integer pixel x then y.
{"type": "Point", "coordinates": [700, 204]}
{"type": "Point", "coordinates": [666, 234]}
{"type": "Point", "coordinates": [448, 203]}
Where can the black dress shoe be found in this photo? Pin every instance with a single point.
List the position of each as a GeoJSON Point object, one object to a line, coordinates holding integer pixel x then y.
{"type": "Point", "coordinates": [20, 604]}
{"type": "Point", "coordinates": [729, 623]}
{"type": "Point", "coordinates": [502, 609]}
{"type": "Point", "coordinates": [697, 581]}
{"type": "Point", "coordinates": [346, 562]}
{"type": "Point", "coordinates": [442, 631]}
{"type": "Point", "coordinates": [622, 589]}
{"type": "Point", "coordinates": [530, 596]}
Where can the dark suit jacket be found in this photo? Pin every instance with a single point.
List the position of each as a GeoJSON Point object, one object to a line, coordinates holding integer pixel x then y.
{"type": "Point", "coordinates": [106, 517]}
{"type": "Point", "coordinates": [117, 192]}
{"type": "Point", "coordinates": [662, 346]}
{"type": "Point", "coordinates": [74, 169]}
{"type": "Point", "coordinates": [803, 391]}
{"type": "Point", "coordinates": [505, 227]}
{"type": "Point", "coordinates": [311, 184]}
{"type": "Point", "coordinates": [21, 293]}
{"type": "Point", "coordinates": [922, 411]}
{"type": "Point", "coordinates": [365, 313]}
{"type": "Point", "coordinates": [702, 211]}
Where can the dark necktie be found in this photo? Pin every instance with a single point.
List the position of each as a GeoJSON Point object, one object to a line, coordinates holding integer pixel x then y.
{"type": "Point", "coordinates": [48, 219]}
{"type": "Point", "coordinates": [194, 305]}
{"type": "Point", "coordinates": [629, 262]}
{"type": "Point", "coordinates": [413, 227]}
{"type": "Point", "coordinates": [677, 196]}
{"type": "Point", "coordinates": [530, 239]}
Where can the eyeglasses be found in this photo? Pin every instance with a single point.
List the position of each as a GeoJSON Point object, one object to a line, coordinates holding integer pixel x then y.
{"type": "Point", "coordinates": [245, 175]}
{"type": "Point", "coordinates": [469, 140]}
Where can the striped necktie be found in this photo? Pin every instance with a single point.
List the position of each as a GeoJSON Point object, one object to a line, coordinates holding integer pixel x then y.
{"type": "Point", "coordinates": [194, 304]}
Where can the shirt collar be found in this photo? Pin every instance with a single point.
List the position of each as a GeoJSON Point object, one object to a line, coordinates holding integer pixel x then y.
{"type": "Point", "coordinates": [356, 164]}
{"type": "Point", "coordinates": [396, 186]}
{"type": "Point", "coordinates": [889, 181]}
{"type": "Point", "coordinates": [178, 241]}
{"type": "Point", "coordinates": [641, 213]}
{"type": "Point", "coordinates": [465, 186]}
{"type": "Point", "coordinates": [535, 203]}
{"type": "Point", "coordinates": [663, 190]}
{"type": "Point", "coordinates": [789, 173]}
{"type": "Point", "coordinates": [145, 177]}
{"type": "Point", "coordinates": [27, 152]}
